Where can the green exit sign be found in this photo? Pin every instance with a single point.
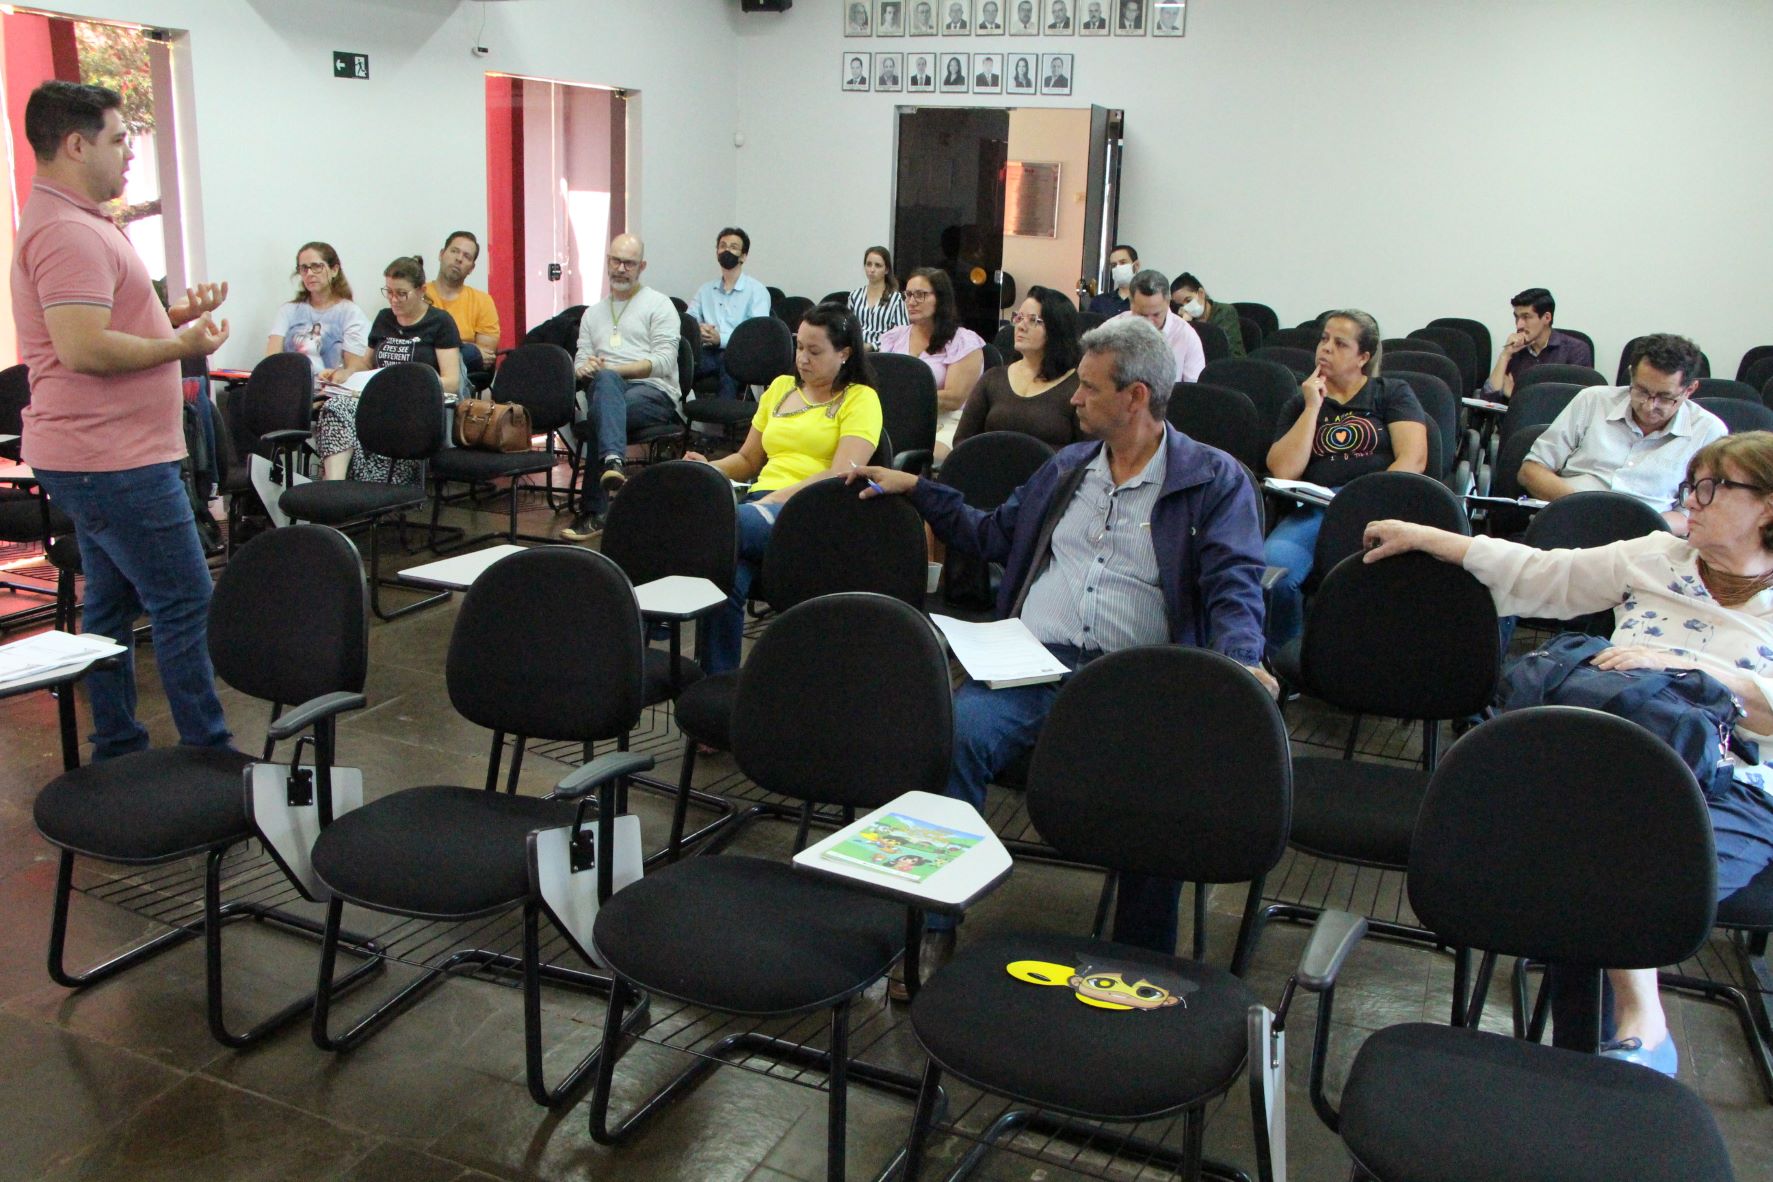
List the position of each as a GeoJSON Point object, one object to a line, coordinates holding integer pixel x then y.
{"type": "Point", "coordinates": [349, 65]}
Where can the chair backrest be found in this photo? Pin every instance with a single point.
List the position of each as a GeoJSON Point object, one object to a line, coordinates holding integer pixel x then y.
{"type": "Point", "coordinates": [279, 396]}
{"type": "Point", "coordinates": [15, 395]}
{"type": "Point", "coordinates": [1726, 388]}
{"type": "Point", "coordinates": [792, 309]}
{"type": "Point", "coordinates": [759, 351]}
{"type": "Point", "coordinates": [1214, 343]}
{"type": "Point", "coordinates": [401, 412]}
{"type": "Point", "coordinates": [1005, 341]}
{"type": "Point", "coordinates": [1459, 350]}
{"type": "Point", "coordinates": [1505, 478]}
{"type": "Point", "coordinates": [1252, 331]}
{"type": "Point", "coordinates": [689, 329]}
{"type": "Point", "coordinates": [1407, 496]}
{"type": "Point", "coordinates": [681, 304]}
{"type": "Point", "coordinates": [1116, 782]}
{"type": "Point", "coordinates": [289, 620]}
{"type": "Point", "coordinates": [845, 700]}
{"type": "Point", "coordinates": [1293, 338]}
{"type": "Point", "coordinates": [1414, 361]}
{"type": "Point", "coordinates": [1086, 320]}
{"type": "Point", "coordinates": [827, 539]}
{"type": "Point", "coordinates": [1006, 291]}
{"type": "Point", "coordinates": [1760, 373]}
{"type": "Point", "coordinates": [993, 359]}
{"type": "Point", "coordinates": [1410, 345]}
{"type": "Point", "coordinates": [1740, 414]}
{"type": "Point", "coordinates": [1587, 519]}
{"type": "Point", "coordinates": [560, 329]}
{"type": "Point", "coordinates": [1297, 361]}
{"type": "Point", "coordinates": [1581, 376]}
{"type": "Point", "coordinates": [674, 518]}
{"type": "Point", "coordinates": [1756, 355]}
{"type": "Point", "coordinates": [837, 297]}
{"type": "Point", "coordinates": [540, 377]}
{"type": "Point", "coordinates": [1624, 375]}
{"type": "Point", "coordinates": [1542, 403]}
{"type": "Point", "coordinates": [988, 467]}
{"type": "Point", "coordinates": [907, 390]}
{"type": "Point", "coordinates": [548, 645]}
{"type": "Point", "coordinates": [1476, 330]}
{"type": "Point", "coordinates": [1220, 417]}
{"type": "Point", "coordinates": [1407, 637]}
{"type": "Point", "coordinates": [1268, 384]}
{"type": "Point", "coordinates": [686, 364]}
{"type": "Point", "coordinates": [1517, 843]}
{"type": "Point", "coordinates": [777, 295]}
{"type": "Point", "coordinates": [1262, 314]}
{"type": "Point", "coordinates": [1579, 335]}
{"type": "Point", "coordinates": [1442, 409]}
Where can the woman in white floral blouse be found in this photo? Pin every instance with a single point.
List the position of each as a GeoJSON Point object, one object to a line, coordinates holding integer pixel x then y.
{"type": "Point", "coordinates": [1700, 602]}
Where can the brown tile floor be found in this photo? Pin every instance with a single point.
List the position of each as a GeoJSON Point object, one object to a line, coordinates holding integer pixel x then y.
{"type": "Point", "coordinates": [122, 1081]}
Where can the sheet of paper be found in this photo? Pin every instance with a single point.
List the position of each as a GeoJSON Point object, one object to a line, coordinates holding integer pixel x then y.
{"type": "Point", "coordinates": [1485, 404]}
{"type": "Point", "coordinates": [49, 652]}
{"type": "Point", "coordinates": [1522, 502]}
{"type": "Point", "coordinates": [1300, 488]}
{"type": "Point", "coordinates": [999, 651]}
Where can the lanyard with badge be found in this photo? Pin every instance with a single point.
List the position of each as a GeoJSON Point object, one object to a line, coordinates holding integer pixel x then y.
{"type": "Point", "coordinates": [615, 323]}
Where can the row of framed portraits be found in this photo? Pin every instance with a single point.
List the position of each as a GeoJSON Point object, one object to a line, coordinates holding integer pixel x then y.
{"type": "Point", "coordinates": [1014, 18]}
{"type": "Point", "coordinates": [958, 73]}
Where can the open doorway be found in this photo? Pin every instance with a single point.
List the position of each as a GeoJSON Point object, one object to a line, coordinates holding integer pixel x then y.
{"type": "Point", "coordinates": [557, 185]}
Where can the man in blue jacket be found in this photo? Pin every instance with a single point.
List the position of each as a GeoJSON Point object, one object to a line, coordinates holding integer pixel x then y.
{"type": "Point", "coordinates": [1142, 536]}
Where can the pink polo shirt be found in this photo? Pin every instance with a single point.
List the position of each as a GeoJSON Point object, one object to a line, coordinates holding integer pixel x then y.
{"type": "Point", "coordinates": [68, 252]}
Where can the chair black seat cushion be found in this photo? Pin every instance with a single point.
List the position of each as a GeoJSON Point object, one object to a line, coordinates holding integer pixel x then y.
{"type": "Point", "coordinates": [332, 502]}
{"type": "Point", "coordinates": [148, 807]}
{"type": "Point", "coordinates": [1450, 1104]}
{"type": "Point", "coordinates": [472, 464]}
{"type": "Point", "coordinates": [1041, 1045]}
{"type": "Point", "coordinates": [728, 411]}
{"type": "Point", "coordinates": [748, 936]}
{"type": "Point", "coordinates": [21, 518]}
{"type": "Point", "coordinates": [64, 554]}
{"type": "Point", "coordinates": [438, 851]}
{"type": "Point", "coordinates": [656, 685]}
{"type": "Point", "coordinates": [1752, 906]}
{"type": "Point", "coordinates": [1356, 812]}
{"type": "Point", "coordinates": [705, 710]}
{"type": "Point", "coordinates": [1284, 660]}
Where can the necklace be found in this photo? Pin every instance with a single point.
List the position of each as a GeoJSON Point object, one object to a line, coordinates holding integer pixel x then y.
{"type": "Point", "coordinates": [1731, 589]}
{"type": "Point", "coordinates": [615, 320]}
{"type": "Point", "coordinates": [829, 406]}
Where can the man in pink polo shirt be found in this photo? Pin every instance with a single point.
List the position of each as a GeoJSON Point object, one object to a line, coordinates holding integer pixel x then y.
{"type": "Point", "coordinates": [103, 432]}
{"type": "Point", "coordinates": [1148, 296]}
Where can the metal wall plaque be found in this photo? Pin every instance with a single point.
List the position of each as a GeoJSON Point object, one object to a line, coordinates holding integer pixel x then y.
{"type": "Point", "coordinates": [1031, 200]}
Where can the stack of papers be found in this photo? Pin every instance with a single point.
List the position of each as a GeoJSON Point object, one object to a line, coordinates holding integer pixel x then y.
{"type": "Point", "coordinates": [38, 656]}
{"type": "Point", "coordinates": [1304, 490]}
{"type": "Point", "coordinates": [1485, 404]}
{"type": "Point", "coordinates": [1002, 654]}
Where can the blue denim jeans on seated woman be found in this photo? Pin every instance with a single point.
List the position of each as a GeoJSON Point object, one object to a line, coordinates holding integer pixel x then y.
{"type": "Point", "coordinates": [726, 628]}
{"type": "Point", "coordinates": [1291, 545]}
{"type": "Point", "coordinates": [140, 551]}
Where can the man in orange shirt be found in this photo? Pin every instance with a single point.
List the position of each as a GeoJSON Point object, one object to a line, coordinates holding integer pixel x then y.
{"type": "Point", "coordinates": [473, 310]}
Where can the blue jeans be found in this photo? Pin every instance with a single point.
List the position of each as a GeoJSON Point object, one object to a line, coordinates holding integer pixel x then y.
{"type": "Point", "coordinates": [994, 728]}
{"type": "Point", "coordinates": [711, 364]}
{"type": "Point", "coordinates": [139, 547]}
{"type": "Point", "coordinates": [616, 406]}
{"type": "Point", "coordinates": [1290, 546]}
{"type": "Point", "coordinates": [726, 628]}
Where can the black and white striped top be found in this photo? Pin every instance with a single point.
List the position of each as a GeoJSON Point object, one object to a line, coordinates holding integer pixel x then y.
{"type": "Point", "coordinates": [889, 313]}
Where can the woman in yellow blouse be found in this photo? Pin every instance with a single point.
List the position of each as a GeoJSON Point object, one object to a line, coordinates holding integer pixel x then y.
{"type": "Point", "coordinates": [821, 421]}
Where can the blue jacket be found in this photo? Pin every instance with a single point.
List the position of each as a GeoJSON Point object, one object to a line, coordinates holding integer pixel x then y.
{"type": "Point", "coordinates": [1206, 531]}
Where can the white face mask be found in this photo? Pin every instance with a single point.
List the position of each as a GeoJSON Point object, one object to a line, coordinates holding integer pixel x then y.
{"type": "Point", "coordinates": [1122, 275]}
{"type": "Point", "coordinates": [1194, 307]}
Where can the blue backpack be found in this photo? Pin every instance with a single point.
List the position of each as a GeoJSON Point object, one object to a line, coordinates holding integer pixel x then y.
{"type": "Point", "coordinates": [1688, 709]}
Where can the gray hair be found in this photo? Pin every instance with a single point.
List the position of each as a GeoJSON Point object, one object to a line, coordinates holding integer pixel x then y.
{"type": "Point", "coordinates": [1149, 282]}
{"type": "Point", "coordinates": [1139, 353]}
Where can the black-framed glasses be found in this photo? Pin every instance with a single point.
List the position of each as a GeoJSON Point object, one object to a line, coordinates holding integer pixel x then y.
{"type": "Point", "coordinates": [393, 294]}
{"type": "Point", "coordinates": [1704, 489]}
{"type": "Point", "coordinates": [1660, 401]}
{"type": "Point", "coordinates": [311, 268]}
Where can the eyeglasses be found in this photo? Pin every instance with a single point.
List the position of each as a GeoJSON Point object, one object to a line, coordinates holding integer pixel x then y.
{"type": "Point", "coordinates": [392, 294]}
{"type": "Point", "coordinates": [1021, 321]}
{"type": "Point", "coordinates": [1703, 490]}
{"type": "Point", "coordinates": [1660, 401]}
{"type": "Point", "coordinates": [624, 264]}
{"type": "Point", "coordinates": [917, 297]}
{"type": "Point", "coordinates": [311, 268]}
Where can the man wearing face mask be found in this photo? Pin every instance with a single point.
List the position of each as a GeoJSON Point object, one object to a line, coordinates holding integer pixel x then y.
{"type": "Point", "coordinates": [1191, 302]}
{"type": "Point", "coordinates": [722, 304]}
{"type": "Point", "coordinates": [1123, 264]}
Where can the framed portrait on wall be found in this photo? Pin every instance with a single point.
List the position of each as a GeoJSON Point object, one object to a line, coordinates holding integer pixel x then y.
{"type": "Point", "coordinates": [889, 18]}
{"type": "Point", "coordinates": [987, 75]}
{"type": "Point", "coordinates": [923, 17]}
{"type": "Point", "coordinates": [1024, 17]}
{"type": "Point", "coordinates": [957, 18]}
{"type": "Point", "coordinates": [989, 22]}
{"type": "Point", "coordinates": [1060, 18]}
{"type": "Point", "coordinates": [1092, 17]}
{"type": "Point", "coordinates": [1019, 71]}
{"type": "Point", "coordinates": [1129, 18]}
{"type": "Point", "coordinates": [921, 77]}
{"type": "Point", "coordinates": [855, 70]}
{"type": "Point", "coordinates": [856, 20]}
{"type": "Point", "coordinates": [1056, 77]}
{"type": "Point", "coordinates": [954, 73]}
{"type": "Point", "coordinates": [1169, 18]}
{"type": "Point", "coordinates": [889, 71]}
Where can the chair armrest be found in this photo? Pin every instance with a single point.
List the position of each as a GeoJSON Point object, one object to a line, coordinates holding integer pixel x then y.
{"type": "Point", "coordinates": [1332, 939]}
{"type": "Point", "coordinates": [1272, 575]}
{"type": "Point", "coordinates": [288, 435]}
{"type": "Point", "coordinates": [914, 461]}
{"type": "Point", "coordinates": [292, 722]}
{"type": "Point", "coordinates": [601, 771]}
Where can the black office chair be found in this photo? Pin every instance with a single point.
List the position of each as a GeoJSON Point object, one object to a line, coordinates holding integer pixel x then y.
{"type": "Point", "coordinates": [1516, 853]}
{"type": "Point", "coordinates": [1725, 388]}
{"type": "Point", "coordinates": [1476, 330]}
{"type": "Point", "coordinates": [1417, 361]}
{"type": "Point", "coordinates": [1410, 345]}
{"type": "Point", "coordinates": [1437, 402]}
{"type": "Point", "coordinates": [841, 298]}
{"type": "Point", "coordinates": [759, 351]}
{"type": "Point", "coordinates": [1538, 403]}
{"type": "Point", "coordinates": [667, 441]}
{"type": "Point", "coordinates": [540, 379]}
{"type": "Point", "coordinates": [1118, 785]}
{"type": "Point", "coordinates": [1264, 316]}
{"type": "Point", "coordinates": [1213, 341]}
{"type": "Point", "coordinates": [1584, 520]}
{"type": "Point", "coordinates": [791, 309]}
{"type": "Point", "coordinates": [755, 937]}
{"type": "Point", "coordinates": [1458, 347]}
{"type": "Point", "coordinates": [1005, 342]}
{"type": "Point", "coordinates": [907, 389]}
{"type": "Point", "coordinates": [993, 358]}
{"type": "Point", "coordinates": [1747, 916]}
{"type": "Point", "coordinates": [1624, 374]}
{"type": "Point", "coordinates": [270, 416]}
{"type": "Point", "coordinates": [28, 518]}
{"type": "Point", "coordinates": [986, 469]}
{"type": "Point", "coordinates": [1755, 356]}
{"type": "Point", "coordinates": [1221, 417]}
{"type": "Point", "coordinates": [777, 295]}
{"type": "Point", "coordinates": [1503, 478]}
{"type": "Point", "coordinates": [1581, 376]}
{"type": "Point", "coordinates": [400, 416]}
{"type": "Point", "coordinates": [1252, 333]}
{"type": "Point", "coordinates": [287, 625]}
{"type": "Point", "coordinates": [1299, 361]}
{"type": "Point", "coordinates": [1086, 320]}
{"type": "Point", "coordinates": [444, 852]}
{"type": "Point", "coordinates": [1759, 375]}
{"type": "Point", "coordinates": [1740, 414]}
{"type": "Point", "coordinates": [1301, 337]}
{"type": "Point", "coordinates": [1268, 384]}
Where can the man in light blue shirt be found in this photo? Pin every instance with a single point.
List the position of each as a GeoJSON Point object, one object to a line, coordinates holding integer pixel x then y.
{"type": "Point", "coordinates": [722, 304]}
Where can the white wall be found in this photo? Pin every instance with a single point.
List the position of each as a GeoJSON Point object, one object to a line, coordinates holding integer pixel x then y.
{"type": "Point", "coordinates": [1415, 158]}
{"type": "Point", "coordinates": [388, 166]}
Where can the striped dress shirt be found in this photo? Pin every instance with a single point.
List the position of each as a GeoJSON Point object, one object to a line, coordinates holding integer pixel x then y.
{"type": "Point", "coordinates": [889, 313]}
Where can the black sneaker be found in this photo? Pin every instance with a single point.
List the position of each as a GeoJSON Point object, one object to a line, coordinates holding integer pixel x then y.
{"type": "Point", "coordinates": [613, 477]}
{"type": "Point", "coordinates": [584, 527]}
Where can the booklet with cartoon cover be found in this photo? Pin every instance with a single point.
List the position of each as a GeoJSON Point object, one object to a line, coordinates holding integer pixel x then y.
{"type": "Point", "coordinates": [899, 846]}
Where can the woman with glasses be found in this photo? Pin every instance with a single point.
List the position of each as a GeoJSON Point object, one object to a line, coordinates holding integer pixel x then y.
{"type": "Point", "coordinates": [935, 335]}
{"type": "Point", "coordinates": [877, 304]}
{"type": "Point", "coordinates": [409, 329]}
{"type": "Point", "coordinates": [321, 322]}
{"type": "Point", "coordinates": [1032, 394]}
{"type": "Point", "coordinates": [1700, 602]}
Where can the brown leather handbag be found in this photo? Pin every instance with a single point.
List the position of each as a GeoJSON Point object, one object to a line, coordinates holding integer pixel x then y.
{"type": "Point", "coordinates": [485, 425]}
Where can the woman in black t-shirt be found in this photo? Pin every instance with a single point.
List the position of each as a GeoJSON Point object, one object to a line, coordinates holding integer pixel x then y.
{"type": "Point", "coordinates": [1346, 421]}
{"type": "Point", "coordinates": [408, 329]}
